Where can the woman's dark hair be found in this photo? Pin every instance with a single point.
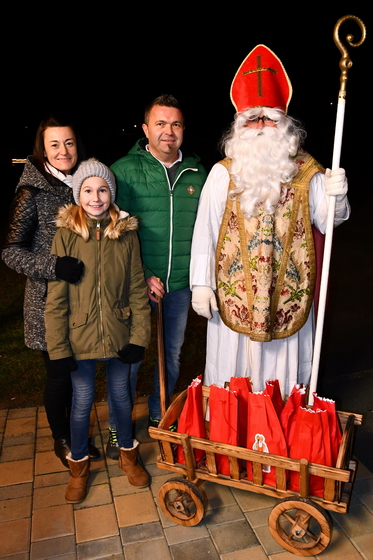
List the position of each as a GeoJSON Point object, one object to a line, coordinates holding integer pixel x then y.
{"type": "Point", "coordinates": [49, 122]}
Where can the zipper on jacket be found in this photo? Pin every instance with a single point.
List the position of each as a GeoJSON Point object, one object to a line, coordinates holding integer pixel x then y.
{"type": "Point", "coordinates": [171, 189]}
{"type": "Point", "coordinates": [98, 238]}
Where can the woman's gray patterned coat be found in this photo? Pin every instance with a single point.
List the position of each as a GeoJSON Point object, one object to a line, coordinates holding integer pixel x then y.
{"type": "Point", "coordinates": [29, 241]}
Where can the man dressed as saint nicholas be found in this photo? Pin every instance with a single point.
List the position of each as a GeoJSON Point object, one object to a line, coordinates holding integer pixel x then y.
{"type": "Point", "coordinates": [253, 265]}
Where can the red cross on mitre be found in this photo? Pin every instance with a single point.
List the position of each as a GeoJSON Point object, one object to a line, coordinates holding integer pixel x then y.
{"type": "Point", "coordinates": [261, 81]}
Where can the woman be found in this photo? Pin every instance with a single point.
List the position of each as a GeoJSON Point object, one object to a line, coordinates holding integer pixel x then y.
{"type": "Point", "coordinates": [44, 186]}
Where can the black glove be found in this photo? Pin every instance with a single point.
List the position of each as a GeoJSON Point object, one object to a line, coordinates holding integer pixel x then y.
{"type": "Point", "coordinates": [131, 354]}
{"type": "Point", "coordinates": [69, 269]}
{"type": "Point", "coordinates": [64, 365]}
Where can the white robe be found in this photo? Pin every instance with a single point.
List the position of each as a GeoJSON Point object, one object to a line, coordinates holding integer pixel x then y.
{"type": "Point", "coordinates": [228, 353]}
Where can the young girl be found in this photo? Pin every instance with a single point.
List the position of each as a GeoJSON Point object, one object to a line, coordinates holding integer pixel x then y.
{"type": "Point", "coordinates": [104, 316]}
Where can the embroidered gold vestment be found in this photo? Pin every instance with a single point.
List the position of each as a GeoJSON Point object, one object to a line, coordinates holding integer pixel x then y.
{"type": "Point", "coordinates": [265, 265]}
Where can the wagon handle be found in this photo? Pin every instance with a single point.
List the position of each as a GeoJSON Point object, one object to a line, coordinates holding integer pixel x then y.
{"type": "Point", "coordinates": [161, 358]}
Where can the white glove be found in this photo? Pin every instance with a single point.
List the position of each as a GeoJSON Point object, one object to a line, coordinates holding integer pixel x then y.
{"type": "Point", "coordinates": [336, 183]}
{"type": "Point", "coordinates": [203, 297]}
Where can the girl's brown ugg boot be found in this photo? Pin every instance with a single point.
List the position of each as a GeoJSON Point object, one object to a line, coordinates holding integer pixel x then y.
{"type": "Point", "coordinates": [128, 462]}
{"type": "Point", "coordinates": [76, 489]}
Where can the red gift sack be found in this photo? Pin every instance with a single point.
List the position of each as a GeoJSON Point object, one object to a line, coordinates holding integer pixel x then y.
{"type": "Point", "coordinates": [272, 389]}
{"type": "Point", "coordinates": [311, 441]}
{"type": "Point", "coordinates": [241, 386]}
{"type": "Point", "coordinates": [297, 398]}
{"type": "Point", "coordinates": [191, 419]}
{"type": "Point", "coordinates": [223, 422]}
{"type": "Point", "coordinates": [334, 424]}
{"type": "Point", "coordinates": [264, 433]}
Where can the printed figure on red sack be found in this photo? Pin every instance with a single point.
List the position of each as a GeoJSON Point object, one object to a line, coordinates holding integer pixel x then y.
{"type": "Point", "coordinates": [260, 445]}
{"type": "Point", "coordinates": [253, 265]}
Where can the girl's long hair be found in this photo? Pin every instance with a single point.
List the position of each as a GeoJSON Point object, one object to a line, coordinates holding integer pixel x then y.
{"type": "Point", "coordinates": [79, 223]}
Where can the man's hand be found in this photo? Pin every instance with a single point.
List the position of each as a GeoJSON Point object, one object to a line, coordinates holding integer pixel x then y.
{"type": "Point", "coordinates": [155, 288]}
{"type": "Point", "coordinates": [336, 182]}
{"type": "Point", "coordinates": [203, 300]}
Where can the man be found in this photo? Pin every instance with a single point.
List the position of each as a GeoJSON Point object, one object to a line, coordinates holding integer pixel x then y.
{"type": "Point", "coordinates": [253, 264]}
{"type": "Point", "coordinates": [161, 185]}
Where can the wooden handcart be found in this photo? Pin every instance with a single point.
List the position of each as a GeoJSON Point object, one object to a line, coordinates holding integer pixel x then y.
{"type": "Point", "coordinates": [299, 522]}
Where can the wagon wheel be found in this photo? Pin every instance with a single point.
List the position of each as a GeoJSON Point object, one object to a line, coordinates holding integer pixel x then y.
{"type": "Point", "coordinates": [182, 501]}
{"type": "Point", "coordinates": [300, 526]}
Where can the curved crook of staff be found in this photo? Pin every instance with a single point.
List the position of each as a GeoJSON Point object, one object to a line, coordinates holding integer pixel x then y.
{"type": "Point", "coordinates": [344, 65]}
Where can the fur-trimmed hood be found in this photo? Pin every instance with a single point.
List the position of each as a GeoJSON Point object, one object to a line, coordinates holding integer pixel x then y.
{"type": "Point", "coordinates": [66, 217]}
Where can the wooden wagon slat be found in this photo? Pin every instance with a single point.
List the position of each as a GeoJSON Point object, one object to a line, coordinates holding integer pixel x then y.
{"type": "Point", "coordinates": [281, 479]}
{"type": "Point", "coordinates": [257, 474]}
{"type": "Point", "coordinates": [304, 479]}
{"type": "Point", "coordinates": [211, 463]}
{"type": "Point", "coordinates": [345, 448]}
{"type": "Point", "coordinates": [330, 490]}
{"type": "Point", "coordinates": [234, 468]}
{"type": "Point", "coordinates": [188, 456]}
{"type": "Point", "coordinates": [167, 452]}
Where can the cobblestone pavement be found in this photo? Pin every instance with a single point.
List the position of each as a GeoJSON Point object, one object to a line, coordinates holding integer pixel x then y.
{"type": "Point", "coordinates": [118, 521]}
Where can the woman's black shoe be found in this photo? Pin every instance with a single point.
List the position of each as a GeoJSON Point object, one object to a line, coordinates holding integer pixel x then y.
{"type": "Point", "coordinates": [93, 452]}
{"type": "Point", "coordinates": [61, 449]}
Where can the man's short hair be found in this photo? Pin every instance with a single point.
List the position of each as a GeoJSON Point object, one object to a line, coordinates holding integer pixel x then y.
{"type": "Point", "coordinates": [165, 100]}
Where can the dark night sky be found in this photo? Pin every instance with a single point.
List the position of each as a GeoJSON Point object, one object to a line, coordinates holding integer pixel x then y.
{"type": "Point", "coordinates": [104, 68]}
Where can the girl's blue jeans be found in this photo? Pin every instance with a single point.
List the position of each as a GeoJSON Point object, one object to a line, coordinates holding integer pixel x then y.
{"type": "Point", "coordinates": [119, 387]}
{"type": "Point", "coordinates": [175, 315]}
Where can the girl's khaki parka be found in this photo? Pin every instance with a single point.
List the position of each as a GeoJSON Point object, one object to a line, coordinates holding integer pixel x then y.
{"type": "Point", "coordinates": [108, 308]}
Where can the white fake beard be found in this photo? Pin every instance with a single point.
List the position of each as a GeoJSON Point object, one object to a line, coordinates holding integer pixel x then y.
{"type": "Point", "coordinates": [260, 165]}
